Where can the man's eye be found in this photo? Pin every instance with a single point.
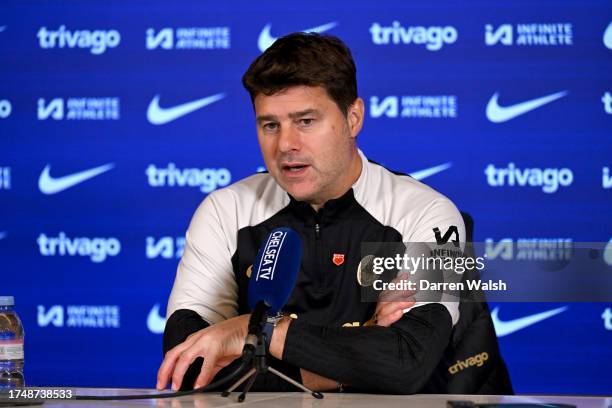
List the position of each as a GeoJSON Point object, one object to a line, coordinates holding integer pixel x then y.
{"type": "Point", "coordinates": [270, 126]}
{"type": "Point", "coordinates": [306, 121]}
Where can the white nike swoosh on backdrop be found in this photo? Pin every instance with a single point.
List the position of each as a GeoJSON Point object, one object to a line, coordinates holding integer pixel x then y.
{"type": "Point", "coordinates": [607, 37]}
{"type": "Point", "coordinates": [421, 174]}
{"type": "Point", "coordinates": [51, 185]}
{"type": "Point", "coordinates": [499, 114]}
{"type": "Point", "coordinates": [160, 116]}
{"type": "Point", "coordinates": [155, 323]}
{"type": "Point", "coordinates": [266, 39]}
{"type": "Point", "coordinates": [504, 328]}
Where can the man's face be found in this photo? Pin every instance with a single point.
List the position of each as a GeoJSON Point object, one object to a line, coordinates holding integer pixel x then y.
{"type": "Point", "coordinates": [306, 142]}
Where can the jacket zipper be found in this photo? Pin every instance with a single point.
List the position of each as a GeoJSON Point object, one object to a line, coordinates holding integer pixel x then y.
{"type": "Point", "coordinates": [318, 253]}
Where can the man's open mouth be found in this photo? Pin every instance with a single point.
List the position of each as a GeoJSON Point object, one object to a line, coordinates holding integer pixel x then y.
{"type": "Point", "coordinates": [294, 168]}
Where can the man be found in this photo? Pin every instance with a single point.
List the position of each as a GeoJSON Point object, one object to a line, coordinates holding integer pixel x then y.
{"type": "Point", "coordinates": [308, 116]}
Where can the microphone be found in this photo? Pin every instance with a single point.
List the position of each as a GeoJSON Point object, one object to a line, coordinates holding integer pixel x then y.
{"type": "Point", "coordinates": [273, 278]}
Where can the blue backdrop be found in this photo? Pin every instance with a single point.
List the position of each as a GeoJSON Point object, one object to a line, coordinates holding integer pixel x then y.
{"type": "Point", "coordinates": [117, 118]}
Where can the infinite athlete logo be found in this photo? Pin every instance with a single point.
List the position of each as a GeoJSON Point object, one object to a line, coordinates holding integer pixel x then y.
{"type": "Point", "coordinates": [543, 249]}
{"type": "Point", "coordinates": [188, 38]}
{"type": "Point", "coordinates": [54, 315]}
{"type": "Point", "coordinates": [79, 108]}
{"type": "Point", "coordinates": [80, 316]}
{"type": "Point", "coordinates": [415, 106]}
{"type": "Point", "coordinates": [165, 247]}
{"type": "Point", "coordinates": [532, 34]}
{"type": "Point", "coordinates": [443, 239]}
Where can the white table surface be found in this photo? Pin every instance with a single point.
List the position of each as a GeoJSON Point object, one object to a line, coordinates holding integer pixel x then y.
{"type": "Point", "coordinates": [304, 400]}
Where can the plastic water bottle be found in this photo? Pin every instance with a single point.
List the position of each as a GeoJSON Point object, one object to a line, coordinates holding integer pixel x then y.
{"type": "Point", "coordinates": [11, 346]}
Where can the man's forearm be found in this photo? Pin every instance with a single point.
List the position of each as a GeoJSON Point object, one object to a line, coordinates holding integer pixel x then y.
{"type": "Point", "coordinates": [184, 322]}
{"type": "Point", "coordinates": [397, 359]}
{"type": "Point", "coordinates": [310, 380]}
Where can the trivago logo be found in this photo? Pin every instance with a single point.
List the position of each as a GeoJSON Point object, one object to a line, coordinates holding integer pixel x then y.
{"type": "Point", "coordinates": [208, 179]}
{"type": "Point", "coordinates": [96, 249]}
{"type": "Point", "coordinates": [97, 40]}
{"type": "Point", "coordinates": [433, 37]}
{"type": "Point", "coordinates": [549, 179]}
{"type": "Point", "coordinates": [474, 361]}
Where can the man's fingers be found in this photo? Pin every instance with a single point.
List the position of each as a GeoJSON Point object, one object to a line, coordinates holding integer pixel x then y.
{"type": "Point", "coordinates": [202, 379]}
{"type": "Point", "coordinates": [388, 308]}
{"type": "Point", "coordinates": [182, 365]}
{"type": "Point", "coordinates": [391, 312]}
{"type": "Point", "coordinates": [389, 319]}
{"type": "Point", "coordinates": [220, 341]}
{"type": "Point", "coordinates": [165, 369]}
{"type": "Point", "coordinates": [167, 366]}
{"type": "Point", "coordinates": [397, 295]}
{"type": "Point", "coordinates": [209, 370]}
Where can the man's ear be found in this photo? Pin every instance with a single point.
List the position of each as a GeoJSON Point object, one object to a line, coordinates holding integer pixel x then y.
{"type": "Point", "coordinates": [355, 117]}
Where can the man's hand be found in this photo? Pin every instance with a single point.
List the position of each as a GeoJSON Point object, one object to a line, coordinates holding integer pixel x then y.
{"type": "Point", "coordinates": [219, 345]}
{"type": "Point", "coordinates": [391, 304]}
{"type": "Point", "coordinates": [222, 343]}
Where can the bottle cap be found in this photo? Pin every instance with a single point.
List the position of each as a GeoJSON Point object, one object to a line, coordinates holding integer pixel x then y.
{"type": "Point", "coordinates": [7, 301]}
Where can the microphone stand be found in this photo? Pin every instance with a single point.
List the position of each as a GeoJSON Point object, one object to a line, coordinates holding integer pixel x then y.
{"type": "Point", "coordinates": [255, 350]}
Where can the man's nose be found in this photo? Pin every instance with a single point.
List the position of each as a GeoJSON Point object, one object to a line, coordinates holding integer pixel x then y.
{"type": "Point", "coordinates": [289, 139]}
